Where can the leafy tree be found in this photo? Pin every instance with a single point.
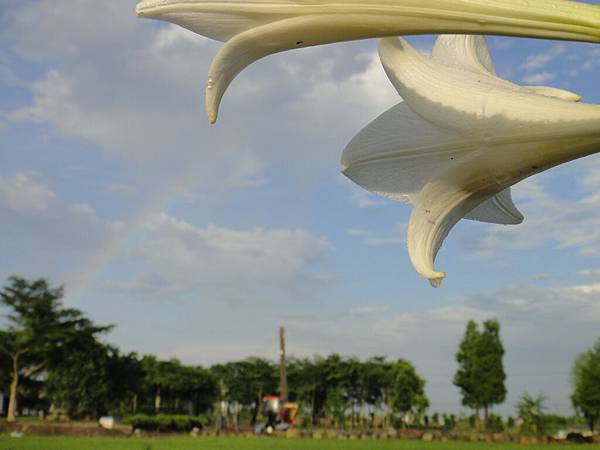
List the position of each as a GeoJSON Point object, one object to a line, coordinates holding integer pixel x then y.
{"type": "Point", "coordinates": [307, 379]}
{"type": "Point", "coordinates": [491, 355]}
{"type": "Point", "coordinates": [306, 384]}
{"type": "Point", "coordinates": [531, 411]}
{"type": "Point", "coordinates": [197, 386]}
{"type": "Point", "coordinates": [408, 389]}
{"type": "Point", "coordinates": [586, 384]}
{"type": "Point", "coordinates": [336, 405]}
{"type": "Point", "coordinates": [93, 380]}
{"type": "Point", "coordinates": [174, 387]}
{"type": "Point", "coordinates": [335, 386]}
{"type": "Point", "coordinates": [353, 391]}
{"type": "Point", "coordinates": [127, 379]}
{"type": "Point", "coordinates": [466, 375]}
{"type": "Point", "coordinates": [376, 381]}
{"type": "Point", "coordinates": [160, 378]}
{"type": "Point", "coordinates": [481, 375]}
{"type": "Point", "coordinates": [40, 331]}
{"type": "Point", "coordinates": [261, 379]}
{"type": "Point", "coordinates": [248, 381]}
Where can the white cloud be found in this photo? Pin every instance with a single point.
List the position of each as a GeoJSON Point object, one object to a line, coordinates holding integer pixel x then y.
{"type": "Point", "coordinates": [539, 78]}
{"type": "Point", "coordinates": [27, 196]}
{"type": "Point", "coordinates": [592, 273]}
{"type": "Point", "coordinates": [176, 259]}
{"type": "Point", "coordinates": [25, 192]}
{"type": "Point", "coordinates": [172, 35]}
{"type": "Point", "coordinates": [245, 171]}
{"type": "Point", "coordinates": [540, 60]}
{"type": "Point", "coordinates": [363, 198]}
{"type": "Point", "coordinates": [40, 228]}
{"type": "Point", "coordinates": [397, 237]}
{"type": "Point", "coordinates": [548, 220]}
{"type": "Point", "coordinates": [361, 96]}
{"type": "Point", "coordinates": [590, 288]}
{"type": "Point", "coordinates": [585, 62]}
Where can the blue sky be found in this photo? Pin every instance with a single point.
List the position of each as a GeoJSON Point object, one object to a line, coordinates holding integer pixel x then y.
{"type": "Point", "coordinates": [199, 241]}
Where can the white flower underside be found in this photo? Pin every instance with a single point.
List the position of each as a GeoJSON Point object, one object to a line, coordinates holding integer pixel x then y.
{"type": "Point", "coordinates": [253, 29]}
{"type": "Point", "coordinates": [461, 138]}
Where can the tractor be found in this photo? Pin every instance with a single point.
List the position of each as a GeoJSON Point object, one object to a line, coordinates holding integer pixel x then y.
{"type": "Point", "coordinates": [280, 414]}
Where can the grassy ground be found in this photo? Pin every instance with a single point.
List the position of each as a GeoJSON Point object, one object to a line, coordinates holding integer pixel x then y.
{"type": "Point", "coordinates": [187, 443]}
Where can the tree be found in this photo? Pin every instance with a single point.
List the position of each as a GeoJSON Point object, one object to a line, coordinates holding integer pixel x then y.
{"type": "Point", "coordinates": [481, 375]}
{"type": "Point", "coordinates": [408, 389]}
{"type": "Point", "coordinates": [40, 330]}
{"type": "Point", "coordinates": [305, 381]}
{"type": "Point", "coordinates": [247, 382]}
{"type": "Point", "coordinates": [94, 379]}
{"type": "Point", "coordinates": [326, 386]}
{"type": "Point", "coordinates": [159, 378]}
{"type": "Point", "coordinates": [491, 353]}
{"type": "Point", "coordinates": [335, 406]}
{"type": "Point", "coordinates": [194, 386]}
{"type": "Point", "coordinates": [531, 411]}
{"type": "Point", "coordinates": [586, 385]}
{"type": "Point", "coordinates": [376, 381]}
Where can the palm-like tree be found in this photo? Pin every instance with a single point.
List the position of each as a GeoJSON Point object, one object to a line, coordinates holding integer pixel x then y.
{"type": "Point", "coordinates": [530, 410]}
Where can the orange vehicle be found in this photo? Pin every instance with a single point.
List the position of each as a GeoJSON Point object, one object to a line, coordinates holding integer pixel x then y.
{"type": "Point", "coordinates": [280, 415]}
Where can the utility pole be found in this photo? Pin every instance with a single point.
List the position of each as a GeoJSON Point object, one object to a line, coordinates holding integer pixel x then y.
{"type": "Point", "coordinates": [283, 389]}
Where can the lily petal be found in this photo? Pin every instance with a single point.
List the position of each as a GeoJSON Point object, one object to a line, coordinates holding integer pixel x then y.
{"type": "Point", "coordinates": [497, 209]}
{"type": "Point", "coordinates": [257, 28]}
{"type": "Point", "coordinates": [554, 92]}
{"type": "Point", "coordinates": [399, 128]}
{"type": "Point", "coordinates": [460, 139]}
{"type": "Point", "coordinates": [472, 54]}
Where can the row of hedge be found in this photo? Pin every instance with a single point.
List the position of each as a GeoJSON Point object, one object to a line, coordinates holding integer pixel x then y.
{"type": "Point", "coordinates": [165, 422]}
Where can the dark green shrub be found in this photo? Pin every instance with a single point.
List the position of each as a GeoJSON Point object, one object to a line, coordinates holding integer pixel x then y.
{"type": "Point", "coordinates": [449, 421]}
{"type": "Point", "coordinates": [494, 424]}
{"type": "Point", "coordinates": [165, 422]}
{"type": "Point", "coordinates": [551, 423]}
{"type": "Point", "coordinates": [472, 420]}
{"type": "Point", "coordinates": [396, 422]}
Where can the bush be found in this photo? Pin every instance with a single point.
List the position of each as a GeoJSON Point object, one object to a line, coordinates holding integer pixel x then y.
{"type": "Point", "coordinates": [449, 421]}
{"type": "Point", "coordinates": [165, 422]}
{"type": "Point", "coordinates": [551, 423]}
{"type": "Point", "coordinates": [472, 420]}
{"type": "Point", "coordinates": [494, 424]}
{"type": "Point", "coordinates": [510, 422]}
{"type": "Point", "coordinates": [396, 422]}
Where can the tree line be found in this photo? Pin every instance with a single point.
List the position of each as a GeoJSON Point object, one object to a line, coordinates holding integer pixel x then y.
{"type": "Point", "coordinates": [53, 358]}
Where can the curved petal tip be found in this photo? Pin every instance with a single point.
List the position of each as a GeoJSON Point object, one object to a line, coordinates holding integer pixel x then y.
{"type": "Point", "coordinates": [437, 282]}
{"type": "Point", "coordinates": [212, 99]}
{"type": "Point", "coordinates": [212, 116]}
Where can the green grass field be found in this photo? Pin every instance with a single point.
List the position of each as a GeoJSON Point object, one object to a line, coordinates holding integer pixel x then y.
{"type": "Point", "coordinates": [187, 443]}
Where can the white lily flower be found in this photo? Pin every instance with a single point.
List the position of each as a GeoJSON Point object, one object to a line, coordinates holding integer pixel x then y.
{"type": "Point", "coordinates": [253, 29]}
{"type": "Point", "coordinates": [461, 138]}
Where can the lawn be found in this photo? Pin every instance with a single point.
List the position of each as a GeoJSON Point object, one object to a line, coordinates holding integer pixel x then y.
{"type": "Point", "coordinates": [187, 443]}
